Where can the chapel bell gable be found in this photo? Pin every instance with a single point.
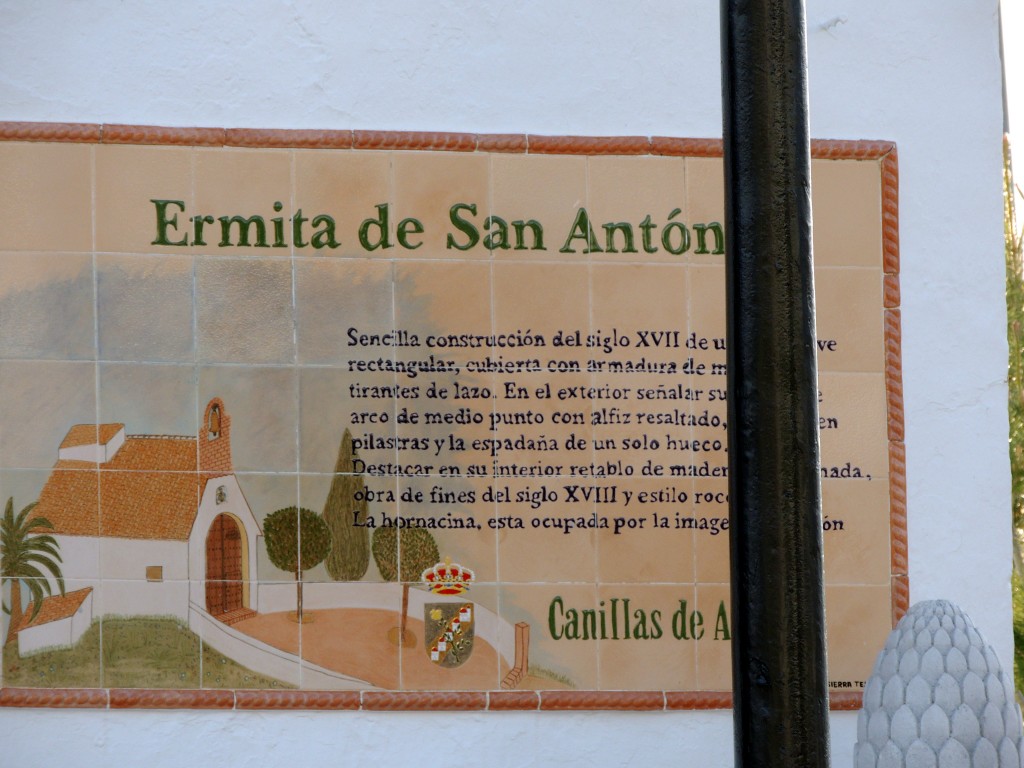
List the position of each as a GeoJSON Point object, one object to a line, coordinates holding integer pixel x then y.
{"type": "Point", "coordinates": [215, 439]}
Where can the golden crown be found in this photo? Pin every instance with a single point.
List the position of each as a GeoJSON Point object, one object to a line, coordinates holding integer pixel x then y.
{"type": "Point", "coordinates": [447, 578]}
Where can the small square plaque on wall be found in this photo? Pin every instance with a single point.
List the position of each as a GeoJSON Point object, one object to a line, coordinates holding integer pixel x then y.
{"type": "Point", "coordinates": [409, 420]}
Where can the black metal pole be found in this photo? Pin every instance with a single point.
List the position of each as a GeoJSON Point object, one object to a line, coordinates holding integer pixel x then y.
{"type": "Point", "coordinates": [780, 685]}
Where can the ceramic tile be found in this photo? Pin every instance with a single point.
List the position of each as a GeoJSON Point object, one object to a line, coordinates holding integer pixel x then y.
{"type": "Point", "coordinates": [448, 430]}
{"type": "Point", "coordinates": [333, 402]}
{"type": "Point", "coordinates": [647, 642]}
{"type": "Point", "coordinates": [351, 641]}
{"type": "Point", "coordinates": [859, 621]}
{"type": "Point", "coordinates": [22, 487]}
{"type": "Point", "coordinates": [69, 500]}
{"type": "Point", "coordinates": [262, 403]}
{"type": "Point", "coordinates": [854, 447]}
{"type": "Point", "coordinates": [445, 308]}
{"type": "Point", "coordinates": [265, 494]}
{"type": "Point", "coordinates": [714, 651]}
{"type": "Point", "coordinates": [174, 407]}
{"type": "Point", "coordinates": [627, 190]}
{"type": "Point", "coordinates": [58, 646]}
{"type": "Point", "coordinates": [40, 402]}
{"type": "Point", "coordinates": [245, 665]}
{"type": "Point", "coordinates": [705, 206]}
{"type": "Point", "coordinates": [561, 652]}
{"type": "Point", "coordinates": [47, 306]}
{"type": "Point", "coordinates": [145, 308]}
{"type": "Point", "coordinates": [850, 234]}
{"type": "Point", "coordinates": [542, 426]}
{"type": "Point", "coordinates": [849, 320]}
{"type": "Point", "coordinates": [148, 508]}
{"type": "Point", "coordinates": [710, 513]}
{"type": "Point", "coordinates": [650, 426]}
{"type": "Point", "coordinates": [536, 520]}
{"type": "Point", "coordinates": [707, 316]}
{"type": "Point", "coordinates": [128, 180]}
{"type": "Point", "coordinates": [549, 300]}
{"type": "Point", "coordinates": [244, 183]}
{"type": "Point", "coordinates": [46, 201]}
{"type": "Point", "coordinates": [427, 189]}
{"type": "Point", "coordinates": [353, 506]}
{"type": "Point", "coordinates": [645, 541]}
{"type": "Point", "coordinates": [147, 650]}
{"type": "Point", "coordinates": [340, 306]}
{"type": "Point", "coordinates": [348, 187]}
{"type": "Point", "coordinates": [457, 645]}
{"type": "Point", "coordinates": [149, 398]}
{"type": "Point", "coordinates": [544, 193]}
{"type": "Point", "coordinates": [635, 304]}
{"type": "Point", "coordinates": [244, 311]}
{"type": "Point", "coordinates": [445, 411]}
{"type": "Point", "coordinates": [856, 532]}
{"type": "Point", "coordinates": [462, 531]}
{"type": "Point", "coordinates": [709, 441]}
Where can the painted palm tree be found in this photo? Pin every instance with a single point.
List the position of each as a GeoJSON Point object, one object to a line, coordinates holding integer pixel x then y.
{"type": "Point", "coordinates": [24, 553]}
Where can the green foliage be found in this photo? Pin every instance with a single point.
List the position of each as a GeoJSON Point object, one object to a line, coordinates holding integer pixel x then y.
{"type": "Point", "coordinates": [281, 533]}
{"type": "Point", "coordinates": [350, 546]}
{"type": "Point", "coordinates": [23, 554]}
{"type": "Point", "coordinates": [419, 552]}
{"type": "Point", "coordinates": [1018, 630]}
{"type": "Point", "coordinates": [1015, 336]}
{"type": "Point", "coordinates": [136, 652]}
{"type": "Point", "coordinates": [1015, 380]}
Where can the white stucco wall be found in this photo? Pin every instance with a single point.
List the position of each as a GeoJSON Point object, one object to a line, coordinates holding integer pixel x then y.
{"type": "Point", "coordinates": [924, 73]}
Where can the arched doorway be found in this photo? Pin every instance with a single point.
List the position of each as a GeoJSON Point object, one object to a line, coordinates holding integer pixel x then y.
{"type": "Point", "coordinates": [224, 561]}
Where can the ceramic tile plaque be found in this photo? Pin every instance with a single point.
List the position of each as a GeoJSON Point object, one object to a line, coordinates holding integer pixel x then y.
{"type": "Point", "coordinates": [383, 420]}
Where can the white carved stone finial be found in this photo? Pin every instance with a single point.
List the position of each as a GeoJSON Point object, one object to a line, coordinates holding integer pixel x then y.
{"type": "Point", "coordinates": [938, 697]}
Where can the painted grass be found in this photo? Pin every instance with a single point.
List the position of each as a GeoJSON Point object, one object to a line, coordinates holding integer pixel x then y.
{"type": "Point", "coordinates": [137, 652]}
{"type": "Point", "coordinates": [548, 674]}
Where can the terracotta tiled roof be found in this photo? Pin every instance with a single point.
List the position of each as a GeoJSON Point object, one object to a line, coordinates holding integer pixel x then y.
{"type": "Point", "coordinates": [55, 608]}
{"type": "Point", "coordinates": [150, 489]}
{"type": "Point", "coordinates": [86, 434]}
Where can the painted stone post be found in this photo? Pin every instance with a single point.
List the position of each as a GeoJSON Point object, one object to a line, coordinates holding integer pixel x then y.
{"type": "Point", "coordinates": [938, 697]}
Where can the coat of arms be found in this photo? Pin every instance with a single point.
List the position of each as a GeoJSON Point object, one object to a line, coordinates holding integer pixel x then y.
{"type": "Point", "coordinates": [448, 630]}
{"type": "Point", "coordinates": [448, 627]}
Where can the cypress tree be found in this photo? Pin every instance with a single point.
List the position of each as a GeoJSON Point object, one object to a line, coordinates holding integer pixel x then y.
{"type": "Point", "coordinates": [350, 548]}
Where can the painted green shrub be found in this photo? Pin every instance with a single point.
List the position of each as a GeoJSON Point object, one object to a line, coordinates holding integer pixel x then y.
{"type": "Point", "coordinates": [292, 552]}
{"type": "Point", "coordinates": [418, 552]}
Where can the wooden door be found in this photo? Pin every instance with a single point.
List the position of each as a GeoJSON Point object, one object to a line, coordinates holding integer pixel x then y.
{"type": "Point", "coordinates": [223, 566]}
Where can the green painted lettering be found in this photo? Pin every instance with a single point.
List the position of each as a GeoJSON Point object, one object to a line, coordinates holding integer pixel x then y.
{"type": "Point", "coordinates": [702, 233]}
{"type": "Point", "coordinates": [465, 227]}
{"type": "Point", "coordinates": [324, 237]}
{"type": "Point", "coordinates": [244, 225]}
{"type": "Point", "coordinates": [382, 238]}
{"type": "Point", "coordinates": [553, 624]}
{"type": "Point", "coordinates": [162, 222]}
{"type": "Point", "coordinates": [581, 230]}
{"type": "Point", "coordinates": [407, 227]}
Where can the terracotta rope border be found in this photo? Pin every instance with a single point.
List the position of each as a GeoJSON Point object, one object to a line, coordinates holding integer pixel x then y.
{"type": "Point", "coordinates": [380, 701]}
{"type": "Point", "coordinates": [883, 151]}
